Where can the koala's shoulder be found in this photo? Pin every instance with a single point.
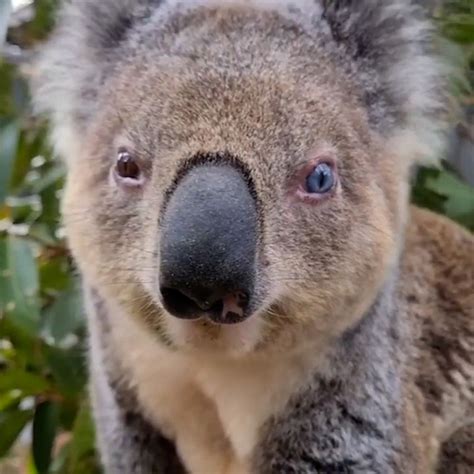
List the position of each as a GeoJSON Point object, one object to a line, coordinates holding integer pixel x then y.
{"type": "Point", "coordinates": [439, 257]}
{"type": "Point", "coordinates": [437, 285]}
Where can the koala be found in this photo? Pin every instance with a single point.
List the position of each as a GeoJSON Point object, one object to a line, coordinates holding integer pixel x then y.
{"type": "Point", "coordinates": [261, 296]}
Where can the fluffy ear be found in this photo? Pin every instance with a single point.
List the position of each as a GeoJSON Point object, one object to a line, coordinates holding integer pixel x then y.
{"type": "Point", "coordinates": [392, 48]}
{"type": "Point", "coordinates": [74, 63]}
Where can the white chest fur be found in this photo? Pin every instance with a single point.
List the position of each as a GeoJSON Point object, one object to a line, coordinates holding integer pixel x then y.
{"type": "Point", "coordinates": [211, 408]}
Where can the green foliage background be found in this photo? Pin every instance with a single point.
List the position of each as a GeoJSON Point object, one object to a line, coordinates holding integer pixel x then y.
{"type": "Point", "coordinates": [42, 343]}
{"type": "Point", "coordinates": [42, 333]}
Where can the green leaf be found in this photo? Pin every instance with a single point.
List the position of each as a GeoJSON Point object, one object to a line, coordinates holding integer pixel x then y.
{"type": "Point", "coordinates": [442, 191]}
{"type": "Point", "coordinates": [7, 72]}
{"type": "Point", "coordinates": [41, 233]}
{"type": "Point", "coordinates": [10, 399]}
{"type": "Point", "coordinates": [5, 10]}
{"type": "Point", "coordinates": [83, 455]}
{"type": "Point", "coordinates": [30, 465]}
{"type": "Point", "coordinates": [33, 143]}
{"type": "Point", "coordinates": [6, 293]}
{"type": "Point", "coordinates": [44, 17]}
{"type": "Point", "coordinates": [55, 275]}
{"type": "Point", "coordinates": [20, 95]}
{"type": "Point", "coordinates": [69, 369]}
{"type": "Point", "coordinates": [45, 424]}
{"type": "Point", "coordinates": [27, 345]}
{"type": "Point", "coordinates": [69, 409]}
{"type": "Point", "coordinates": [11, 425]}
{"type": "Point", "coordinates": [50, 177]}
{"type": "Point", "coordinates": [65, 316]}
{"type": "Point", "coordinates": [19, 282]}
{"type": "Point", "coordinates": [425, 197]}
{"type": "Point", "coordinates": [459, 204]}
{"type": "Point", "coordinates": [9, 134]}
{"type": "Point", "coordinates": [26, 382]}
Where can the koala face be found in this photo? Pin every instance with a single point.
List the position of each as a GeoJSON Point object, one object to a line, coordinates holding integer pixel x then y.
{"type": "Point", "coordinates": [232, 189]}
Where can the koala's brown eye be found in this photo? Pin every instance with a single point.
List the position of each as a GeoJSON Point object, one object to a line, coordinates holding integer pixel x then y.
{"type": "Point", "coordinates": [127, 166]}
{"type": "Point", "coordinates": [321, 180]}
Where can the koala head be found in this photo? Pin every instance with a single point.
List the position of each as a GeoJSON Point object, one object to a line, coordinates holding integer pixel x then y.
{"type": "Point", "coordinates": [238, 169]}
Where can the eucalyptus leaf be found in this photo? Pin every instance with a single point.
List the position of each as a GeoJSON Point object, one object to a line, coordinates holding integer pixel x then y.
{"type": "Point", "coordinates": [68, 368]}
{"type": "Point", "coordinates": [45, 425]}
{"type": "Point", "coordinates": [27, 383]}
{"type": "Point", "coordinates": [83, 455]}
{"type": "Point", "coordinates": [52, 176]}
{"type": "Point", "coordinates": [10, 399]}
{"type": "Point", "coordinates": [11, 425]}
{"type": "Point", "coordinates": [5, 11]}
{"type": "Point", "coordinates": [65, 316]}
{"type": "Point", "coordinates": [459, 202]}
{"type": "Point", "coordinates": [20, 282]}
{"type": "Point", "coordinates": [9, 135]}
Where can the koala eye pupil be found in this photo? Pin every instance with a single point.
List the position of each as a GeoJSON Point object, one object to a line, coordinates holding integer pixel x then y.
{"type": "Point", "coordinates": [127, 167]}
{"type": "Point", "coordinates": [321, 180]}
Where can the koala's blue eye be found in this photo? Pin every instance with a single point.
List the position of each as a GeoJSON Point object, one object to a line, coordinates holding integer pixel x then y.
{"type": "Point", "coordinates": [321, 180]}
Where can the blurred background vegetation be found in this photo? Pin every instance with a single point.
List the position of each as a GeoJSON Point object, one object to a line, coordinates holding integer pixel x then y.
{"type": "Point", "coordinates": [45, 424]}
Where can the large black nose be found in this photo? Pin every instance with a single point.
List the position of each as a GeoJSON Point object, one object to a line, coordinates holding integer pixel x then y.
{"type": "Point", "coordinates": [208, 246]}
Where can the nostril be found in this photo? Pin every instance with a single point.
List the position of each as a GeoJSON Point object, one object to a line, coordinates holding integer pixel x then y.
{"type": "Point", "coordinates": [229, 309]}
{"type": "Point", "coordinates": [233, 309]}
{"type": "Point", "coordinates": [179, 305]}
{"type": "Point", "coordinates": [182, 306]}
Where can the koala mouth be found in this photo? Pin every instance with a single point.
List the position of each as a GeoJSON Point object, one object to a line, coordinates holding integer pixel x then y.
{"type": "Point", "coordinates": [208, 246]}
{"type": "Point", "coordinates": [230, 309]}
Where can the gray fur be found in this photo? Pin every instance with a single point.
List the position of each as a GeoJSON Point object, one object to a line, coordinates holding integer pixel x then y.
{"type": "Point", "coordinates": [128, 442]}
{"type": "Point", "coordinates": [348, 420]}
{"type": "Point", "coordinates": [385, 47]}
{"type": "Point", "coordinates": [392, 45]}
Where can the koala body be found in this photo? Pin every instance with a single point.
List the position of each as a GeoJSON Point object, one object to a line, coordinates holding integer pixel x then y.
{"type": "Point", "coordinates": [261, 298]}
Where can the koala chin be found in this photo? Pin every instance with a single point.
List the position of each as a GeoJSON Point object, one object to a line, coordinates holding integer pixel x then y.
{"type": "Point", "coordinates": [261, 297]}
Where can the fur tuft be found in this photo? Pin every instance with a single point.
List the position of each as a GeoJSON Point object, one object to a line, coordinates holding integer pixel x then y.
{"type": "Point", "coordinates": [74, 65]}
{"type": "Point", "coordinates": [394, 43]}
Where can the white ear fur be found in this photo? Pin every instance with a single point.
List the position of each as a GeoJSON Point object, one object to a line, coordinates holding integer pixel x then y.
{"type": "Point", "coordinates": [71, 68]}
{"type": "Point", "coordinates": [395, 42]}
